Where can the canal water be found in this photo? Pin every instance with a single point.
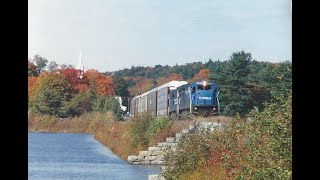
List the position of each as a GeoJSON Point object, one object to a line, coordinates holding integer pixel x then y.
{"type": "Point", "coordinates": [78, 156]}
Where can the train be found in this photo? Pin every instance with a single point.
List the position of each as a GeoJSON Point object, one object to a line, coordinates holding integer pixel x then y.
{"type": "Point", "coordinates": [177, 99]}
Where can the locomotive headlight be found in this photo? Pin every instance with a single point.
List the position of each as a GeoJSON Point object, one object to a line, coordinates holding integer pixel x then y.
{"type": "Point", "coordinates": [195, 108]}
{"type": "Point", "coordinates": [204, 83]}
{"type": "Point", "coordinates": [214, 108]}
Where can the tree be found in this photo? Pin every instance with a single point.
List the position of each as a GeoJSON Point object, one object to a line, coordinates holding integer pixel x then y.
{"type": "Point", "coordinates": [31, 86]}
{"type": "Point", "coordinates": [103, 84]}
{"type": "Point", "coordinates": [171, 77]}
{"type": "Point", "coordinates": [79, 104]}
{"type": "Point", "coordinates": [72, 76]}
{"type": "Point", "coordinates": [142, 85]}
{"type": "Point", "coordinates": [51, 93]}
{"type": "Point", "coordinates": [53, 66]}
{"type": "Point", "coordinates": [203, 74]}
{"type": "Point", "coordinates": [32, 70]}
{"type": "Point", "coordinates": [276, 77]}
{"type": "Point", "coordinates": [232, 79]}
{"type": "Point", "coordinates": [81, 87]}
{"type": "Point", "coordinates": [121, 89]}
{"type": "Point", "coordinates": [65, 66]}
{"type": "Point", "coordinates": [105, 104]}
{"type": "Point", "coordinates": [40, 62]}
{"type": "Point", "coordinates": [120, 86]}
{"type": "Point", "coordinates": [92, 74]}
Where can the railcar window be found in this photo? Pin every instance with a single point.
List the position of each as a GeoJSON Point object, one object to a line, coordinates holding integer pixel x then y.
{"type": "Point", "coordinates": [193, 89]}
{"type": "Point", "coordinates": [208, 87]}
{"type": "Point", "coordinates": [200, 87]}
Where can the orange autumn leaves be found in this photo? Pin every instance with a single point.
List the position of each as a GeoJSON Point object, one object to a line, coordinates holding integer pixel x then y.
{"type": "Point", "coordinates": [204, 74]}
{"type": "Point", "coordinates": [101, 84]}
{"type": "Point", "coordinates": [142, 85]}
{"type": "Point", "coordinates": [31, 85]}
{"type": "Point", "coordinates": [171, 77]}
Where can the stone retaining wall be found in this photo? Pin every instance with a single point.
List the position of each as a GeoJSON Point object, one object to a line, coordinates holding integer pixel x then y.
{"type": "Point", "coordinates": [155, 155]}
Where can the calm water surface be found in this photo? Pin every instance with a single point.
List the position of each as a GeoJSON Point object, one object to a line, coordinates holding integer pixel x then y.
{"type": "Point", "coordinates": [78, 156]}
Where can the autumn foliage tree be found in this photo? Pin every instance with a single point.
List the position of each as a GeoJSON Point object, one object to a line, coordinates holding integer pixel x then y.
{"type": "Point", "coordinates": [31, 86]}
{"type": "Point", "coordinates": [103, 85]}
{"type": "Point", "coordinates": [141, 86]}
{"type": "Point", "coordinates": [50, 94]}
{"type": "Point", "coordinates": [32, 71]}
{"type": "Point", "coordinates": [72, 76]}
{"type": "Point", "coordinates": [82, 86]}
{"type": "Point", "coordinates": [203, 74]}
{"type": "Point", "coordinates": [244, 83]}
{"type": "Point", "coordinates": [61, 92]}
{"type": "Point", "coordinates": [171, 77]}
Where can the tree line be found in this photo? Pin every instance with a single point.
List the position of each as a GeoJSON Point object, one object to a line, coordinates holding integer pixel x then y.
{"type": "Point", "coordinates": [244, 84]}
{"type": "Point", "coordinates": [61, 92]}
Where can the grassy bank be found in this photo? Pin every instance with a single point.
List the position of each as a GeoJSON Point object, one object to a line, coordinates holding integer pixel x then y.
{"type": "Point", "coordinates": [123, 138]}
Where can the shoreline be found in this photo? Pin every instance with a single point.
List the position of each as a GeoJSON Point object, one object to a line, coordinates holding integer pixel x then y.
{"type": "Point", "coordinates": [94, 124]}
{"type": "Point", "coordinates": [113, 134]}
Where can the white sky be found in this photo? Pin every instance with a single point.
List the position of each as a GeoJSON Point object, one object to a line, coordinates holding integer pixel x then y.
{"type": "Point", "coordinates": [116, 34]}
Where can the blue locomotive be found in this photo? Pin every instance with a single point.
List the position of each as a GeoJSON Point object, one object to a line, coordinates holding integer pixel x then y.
{"type": "Point", "coordinates": [177, 99]}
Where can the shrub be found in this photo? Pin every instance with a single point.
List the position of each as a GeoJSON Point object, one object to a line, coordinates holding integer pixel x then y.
{"type": "Point", "coordinates": [46, 122]}
{"type": "Point", "coordinates": [257, 149]}
{"type": "Point", "coordinates": [138, 128]}
{"type": "Point", "coordinates": [98, 120]}
{"type": "Point", "coordinates": [104, 104]}
{"type": "Point", "coordinates": [193, 150]}
{"type": "Point", "coordinates": [270, 147]}
{"type": "Point", "coordinates": [159, 123]}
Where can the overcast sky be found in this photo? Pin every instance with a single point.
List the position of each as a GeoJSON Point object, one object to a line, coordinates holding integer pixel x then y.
{"type": "Point", "coordinates": [116, 34]}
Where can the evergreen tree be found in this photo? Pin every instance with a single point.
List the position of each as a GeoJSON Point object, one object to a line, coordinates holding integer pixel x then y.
{"type": "Point", "coordinates": [233, 83]}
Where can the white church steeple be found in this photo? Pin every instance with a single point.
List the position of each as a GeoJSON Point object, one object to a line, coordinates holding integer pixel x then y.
{"type": "Point", "coordinates": [81, 67]}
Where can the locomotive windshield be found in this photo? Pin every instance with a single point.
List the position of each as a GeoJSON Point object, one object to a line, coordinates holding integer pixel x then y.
{"type": "Point", "coordinates": [207, 87]}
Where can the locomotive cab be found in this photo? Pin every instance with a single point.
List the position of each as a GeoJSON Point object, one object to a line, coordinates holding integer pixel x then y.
{"type": "Point", "coordinates": [204, 98]}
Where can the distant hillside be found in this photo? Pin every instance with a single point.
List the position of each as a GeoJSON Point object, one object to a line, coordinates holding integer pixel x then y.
{"type": "Point", "coordinates": [149, 77]}
{"type": "Point", "coordinates": [244, 82]}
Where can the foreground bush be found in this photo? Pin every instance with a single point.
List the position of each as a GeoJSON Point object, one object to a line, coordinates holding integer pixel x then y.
{"type": "Point", "coordinates": [159, 123]}
{"type": "Point", "coordinates": [259, 149]}
{"type": "Point", "coordinates": [138, 129]}
{"type": "Point", "coordinates": [147, 130]}
{"type": "Point", "coordinates": [104, 104]}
